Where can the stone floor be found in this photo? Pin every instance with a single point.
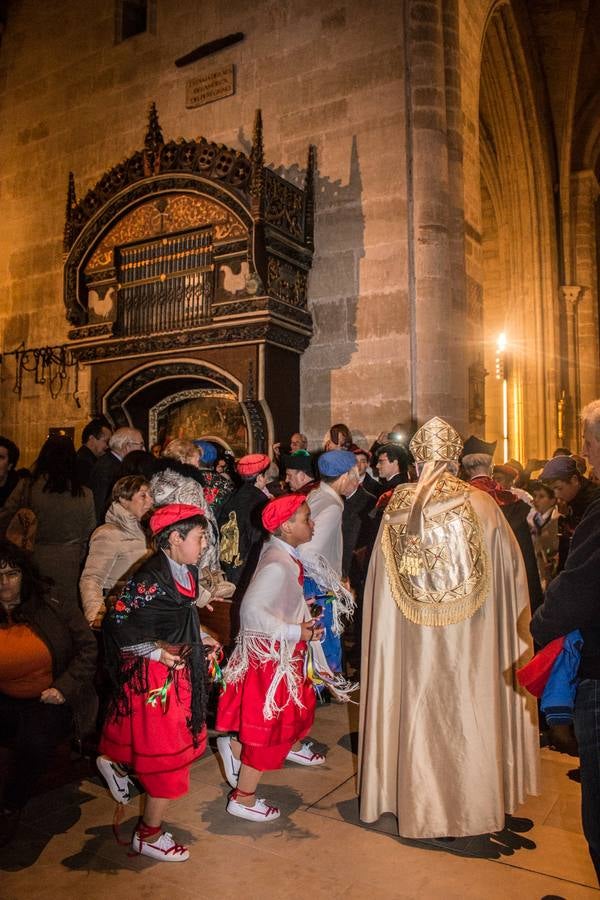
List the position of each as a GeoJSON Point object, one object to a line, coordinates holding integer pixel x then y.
{"type": "Point", "coordinates": [66, 848]}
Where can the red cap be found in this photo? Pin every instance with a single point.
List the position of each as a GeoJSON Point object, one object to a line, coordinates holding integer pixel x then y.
{"type": "Point", "coordinates": [279, 510]}
{"type": "Point", "coordinates": [253, 464]}
{"type": "Point", "coordinates": [171, 513]}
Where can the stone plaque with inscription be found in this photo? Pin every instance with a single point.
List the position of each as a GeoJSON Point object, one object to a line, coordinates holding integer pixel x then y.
{"type": "Point", "coordinates": [208, 87]}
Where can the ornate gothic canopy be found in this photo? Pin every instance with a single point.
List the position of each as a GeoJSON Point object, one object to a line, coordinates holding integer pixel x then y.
{"type": "Point", "coordinates": [188, 244]}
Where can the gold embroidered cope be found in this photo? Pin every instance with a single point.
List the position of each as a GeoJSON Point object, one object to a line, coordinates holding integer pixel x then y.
{"type": "Point", "coordinates": [439, 576]}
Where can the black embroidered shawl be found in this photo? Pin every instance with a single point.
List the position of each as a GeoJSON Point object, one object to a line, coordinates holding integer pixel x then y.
{"type": "Point", "coordinates": [151, 608]}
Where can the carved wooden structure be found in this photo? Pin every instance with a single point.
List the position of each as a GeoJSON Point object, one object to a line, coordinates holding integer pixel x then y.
{"type": "Point", "coordinates": [186, 271]}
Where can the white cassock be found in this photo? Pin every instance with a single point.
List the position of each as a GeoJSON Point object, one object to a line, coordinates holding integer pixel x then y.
{"type": "Point", "coordinates": [448, 741]}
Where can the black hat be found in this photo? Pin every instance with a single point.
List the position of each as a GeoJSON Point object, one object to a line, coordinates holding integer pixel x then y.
{"type": "Point", "coordinates": [301, 460]}
{"type": "Point", "coordinates": [476, 445]}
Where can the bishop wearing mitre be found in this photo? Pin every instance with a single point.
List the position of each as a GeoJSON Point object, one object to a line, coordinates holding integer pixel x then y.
{"type": "Point", "coordinates": [448, 741]}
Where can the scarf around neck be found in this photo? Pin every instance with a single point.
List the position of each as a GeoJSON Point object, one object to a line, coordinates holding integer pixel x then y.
{"type": "Point", "coordinates": [151, 608]}
{"type": "Point", "coordinates": [491, 487]}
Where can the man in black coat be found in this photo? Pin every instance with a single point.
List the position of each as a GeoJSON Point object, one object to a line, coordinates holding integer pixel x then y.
{"type": "Point", "coordinates": [359, 530]}
{"type": "Point", "coordinates": [94, 444]}
{"type": "Point", "coordinates": [9, 457]}
{"type": "Point", "coordinates": [573, 601]}
{"type": "Point", "coordinates": [391, 462]}
{"type": "Point", "coordinates": [370, 484]}
{"type": "Point", "coordinates": [106, 470]}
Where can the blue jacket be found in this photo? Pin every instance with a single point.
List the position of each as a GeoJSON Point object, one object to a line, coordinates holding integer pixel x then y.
{"type": "Point", "coordinates": [558, 699]}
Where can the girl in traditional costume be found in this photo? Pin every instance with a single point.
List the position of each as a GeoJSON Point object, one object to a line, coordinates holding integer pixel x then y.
{"type": "Point", "coordinates": [269, 697]}
{"type": "Point", "coordinates": [156, 661]}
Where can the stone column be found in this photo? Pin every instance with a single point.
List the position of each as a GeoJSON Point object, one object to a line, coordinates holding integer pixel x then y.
{"type": "Point", "coordinates": [584, 194]}
{"type": "Point", "coordinates": [435, 326]}
{"type": "Point", "coordinates": [570, 294]}
{"type": "Point", "coordinates": [454, 140]}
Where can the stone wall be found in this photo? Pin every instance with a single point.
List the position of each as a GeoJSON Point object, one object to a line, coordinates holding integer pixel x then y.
{"type": "Point", "coordinates": [412, 105]}
{"type": "Point", "coordinates": [508, 145]}
{"type": "Point", "coordinates": [72, 99]}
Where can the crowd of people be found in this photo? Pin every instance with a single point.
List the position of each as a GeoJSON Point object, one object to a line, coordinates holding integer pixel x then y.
{"type": "Point", "coordinates": [179, 584]}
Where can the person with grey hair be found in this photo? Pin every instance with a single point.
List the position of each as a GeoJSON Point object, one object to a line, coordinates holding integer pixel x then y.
{"type": "Point", "coordinates": [178, 479]}
{"type": "Point", "coordinates": [476, 463]}
{"type": "Point", "coordinates": [298, 441]}
{"type": "Point", "coordinates": [572, 601]}
{"type": "Point", "coordinates": [106, 470]}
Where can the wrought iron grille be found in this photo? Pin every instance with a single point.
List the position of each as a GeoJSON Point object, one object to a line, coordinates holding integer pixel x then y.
{"type": "Point", "coordinates": [165, 284]}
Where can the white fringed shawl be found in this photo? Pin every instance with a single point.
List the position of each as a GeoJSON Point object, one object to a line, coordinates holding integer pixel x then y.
{"type": "Point", "coordinates": [343, 603]}
{"type": "Point", "coordinates": [274, 600]}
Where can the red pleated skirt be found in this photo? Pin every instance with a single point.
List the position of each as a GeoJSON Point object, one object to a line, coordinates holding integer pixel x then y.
{"type": "Point", "coordinates": [155, 743]}
{"type": "Point", "coordinates": [267, 742]}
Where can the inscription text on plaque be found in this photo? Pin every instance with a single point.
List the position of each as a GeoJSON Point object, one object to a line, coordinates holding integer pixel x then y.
{"type": "Point", "coordinates": [208, 87]}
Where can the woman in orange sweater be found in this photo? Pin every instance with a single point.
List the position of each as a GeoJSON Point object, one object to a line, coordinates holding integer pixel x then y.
{"type": "Point", "coordinates": [47, 664]}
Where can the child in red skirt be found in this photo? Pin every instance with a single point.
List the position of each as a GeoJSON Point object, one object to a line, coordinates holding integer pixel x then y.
{"type": "Point", "coordinates": [156, 662]}
{"type": "Point", "coordinates": [269, 699]}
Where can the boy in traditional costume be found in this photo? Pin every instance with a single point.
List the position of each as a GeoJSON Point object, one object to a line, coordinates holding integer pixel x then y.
{"type": "Point", "coordinates": [269, 698]}
{"type": "Point", "coordinates": [155, 658]}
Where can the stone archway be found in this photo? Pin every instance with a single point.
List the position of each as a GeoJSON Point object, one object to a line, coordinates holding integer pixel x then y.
{"type": "Point", "coordinates": [193, 397]}
{"type": "Point", "coordinates": [517, 249]}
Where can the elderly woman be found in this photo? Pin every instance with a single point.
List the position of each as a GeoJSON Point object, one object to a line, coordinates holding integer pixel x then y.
{"type": "Point", "coordinates": [64, 510]}
{"type": "Point", "coordinates": [179, 481]}
{"type": "Point", "coordinates": [47, 663]}
{"type": "Point", "coordinates": [156, 662]}
{"type": "Point", "coordinates": [116, 548]}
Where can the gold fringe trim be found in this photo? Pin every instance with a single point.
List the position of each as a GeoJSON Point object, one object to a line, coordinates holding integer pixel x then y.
{"type": "Point", "coordinates": [447, 612]}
